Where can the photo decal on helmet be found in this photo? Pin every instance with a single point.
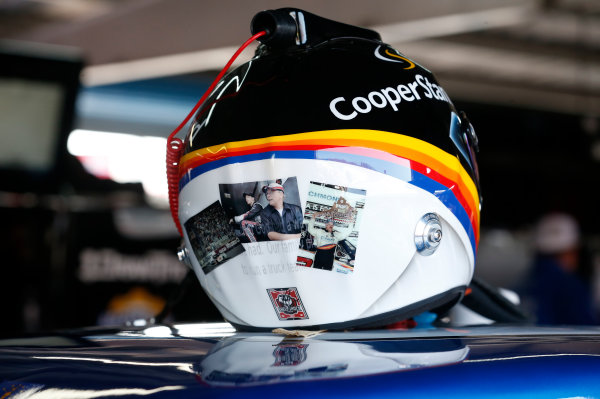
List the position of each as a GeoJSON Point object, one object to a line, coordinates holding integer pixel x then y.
{"type": "Point", "coordinates": [330, 229]}
{"type": "Point", "coordinates": [287, 303]}
{"type": "Point", "coordinates": [266, 210]}
{"type": "Point", "coordinates": [212, 238]}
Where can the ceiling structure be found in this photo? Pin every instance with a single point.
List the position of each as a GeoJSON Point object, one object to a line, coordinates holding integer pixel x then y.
{"type": "Point", "coordinates": [538, 54]}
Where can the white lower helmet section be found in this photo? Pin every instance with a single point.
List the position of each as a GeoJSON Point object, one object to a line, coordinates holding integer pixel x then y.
{"type": "Point", "coordinates": [388, 273]}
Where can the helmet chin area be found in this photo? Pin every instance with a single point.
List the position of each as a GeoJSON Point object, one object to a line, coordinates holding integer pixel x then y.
{"type": "Point", "coordinates": [366, 269]}
{"type": "Point", "coordinates": [441, 276]}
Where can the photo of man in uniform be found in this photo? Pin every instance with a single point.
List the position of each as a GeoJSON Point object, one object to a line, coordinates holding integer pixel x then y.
{"type": "Point", "coordinates": [326, 239]}
{"type": "Point", "coordinates": [280, 220]}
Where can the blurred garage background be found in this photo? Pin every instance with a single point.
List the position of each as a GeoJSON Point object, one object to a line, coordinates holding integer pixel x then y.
{"type": "Point", "coordinates": [90, 89]}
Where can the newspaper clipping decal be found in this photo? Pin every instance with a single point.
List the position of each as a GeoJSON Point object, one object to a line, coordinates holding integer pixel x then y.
{"type": "Point", "coordinates": [330, 229]}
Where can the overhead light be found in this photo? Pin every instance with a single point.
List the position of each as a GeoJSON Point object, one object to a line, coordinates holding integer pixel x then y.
{"type": "Point", "coordinates": [168, 65]}
{"type": "Point", "coordinates": [455, 23]}
{"type": "Point", "coordinates": [124, 158]}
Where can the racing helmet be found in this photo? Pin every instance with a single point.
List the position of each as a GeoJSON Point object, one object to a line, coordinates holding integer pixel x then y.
{"type": "Point", "coordinates": [328, 124]}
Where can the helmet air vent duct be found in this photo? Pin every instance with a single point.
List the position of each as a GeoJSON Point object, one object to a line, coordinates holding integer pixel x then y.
{"type": "Point", "coordinates": [291, 27]}
{"type": "Point", "coordinates": [428, 234]}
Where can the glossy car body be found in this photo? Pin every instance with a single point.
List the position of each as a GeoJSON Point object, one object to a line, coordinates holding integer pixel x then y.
{"type": "Point", "coordinates": [213, 361]}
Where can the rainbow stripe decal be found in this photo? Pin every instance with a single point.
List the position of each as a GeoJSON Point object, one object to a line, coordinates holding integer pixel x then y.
{"type": "Point", "coordinates": [393, 154]}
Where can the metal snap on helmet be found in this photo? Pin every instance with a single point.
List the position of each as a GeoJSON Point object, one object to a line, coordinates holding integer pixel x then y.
{"type": "Point", "coordinates": [328, 124]}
